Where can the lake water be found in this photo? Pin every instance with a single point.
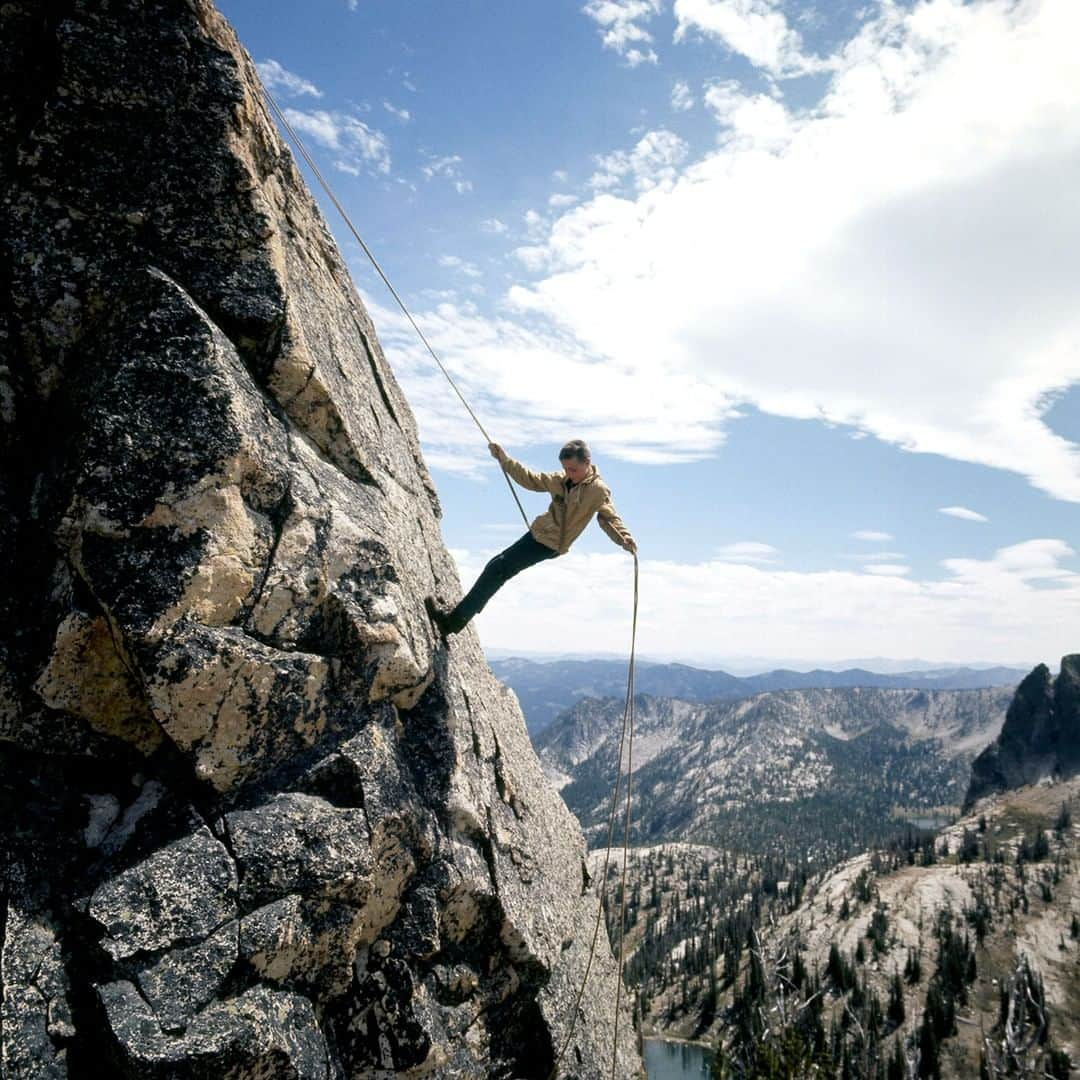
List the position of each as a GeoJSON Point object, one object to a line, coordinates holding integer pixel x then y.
{"type": "Point", "coordinates": [930, 823]}
{"type": "Point", "coordinates": [667, 1060]}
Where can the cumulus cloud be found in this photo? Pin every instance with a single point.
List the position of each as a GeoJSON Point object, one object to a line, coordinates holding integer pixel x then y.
{"type": "Point", "coordinates": [275, 77]}
{"type": "Point", "coordinates": [652, 163]}
{"type": "Point", "coordinates": [754, 121]}
{"type": "Point", "coordinates": [872, 535]}
{"type": "Point", "coordinates": [1022, 594]}
{"type": "Point", "coordinates": [534, 223]}
{"type": "Point", "coordinates": [898, 259]}
{"type": "Point", "coordinates": [359, 148]}
{"type": "Point", "coordinates": [620, 22]}
{"type": "Point", "coordinates": [755, 29]}
{"type": "Point", "coordinates": [493, 226]}
{"type": "Point", "coordinates": [963, 513]}
{"type": "Point", "coordinates": [682, 98]}
{"type": "Point", "coordinates": [561, 200]}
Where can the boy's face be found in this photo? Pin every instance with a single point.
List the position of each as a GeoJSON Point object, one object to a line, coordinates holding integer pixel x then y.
{"type": "Point", "coordinates": [575, 470]}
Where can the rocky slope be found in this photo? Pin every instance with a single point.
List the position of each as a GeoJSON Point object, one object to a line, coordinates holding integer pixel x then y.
{"type": "Point", "coordinates": [821, 769]}
{"type": "Point", "coordinates": [255, 821]}
{"type": "Point", "coordinates": [1002, 895]}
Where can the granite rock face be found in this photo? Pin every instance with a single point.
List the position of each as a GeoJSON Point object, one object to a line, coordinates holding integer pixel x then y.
{"type": "Point", "coordinates": [1040, 738]}
{"type": "Point", "coordinates": [256, 821]}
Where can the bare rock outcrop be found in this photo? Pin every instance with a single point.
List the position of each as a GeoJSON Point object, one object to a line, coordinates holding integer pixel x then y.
{"type": "Point", "coordinates": [1040, 738]}
{"type": "Point", "coordinates": [255, 820]}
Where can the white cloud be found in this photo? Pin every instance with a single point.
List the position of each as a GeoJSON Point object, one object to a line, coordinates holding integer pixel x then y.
{"type": "Point", "coordinates": [560, 176]}
{"type": "Point", "coordinates": [360, 148]}
{"type": "Point", "coordinates": [872, 535]}
{"type": "Point", "coordinates": [619, 21]}
{"type": "Point", "coordinates": [275, 77]}
{"type": "Point", "coordinates": [756, 29]}
{"type": "Point", "coordinates": [754, 121]}
{"type": "Point", "coordinates": [963, 513]}
{"type": "Point", "coordinates": [493, 226]}
{"type": "Point", "coordinates": [878, 557]}
{"type": "Point", "coordinates": [652, 163]}
{"type": "Point", "coordinates": [1033, 560]}
{"type": "Point", "coordinates": [535, 259]}
{"type": "Point", "coordinates": [978, 609]}
{"type": "Point", "coordinates": [899, 259]}
{"type": "Point", "coordinates": [887, 569]}
{"type": "Point", "coordinates": [681, 97]}
{"type": "Point", "coordinates": [748, 552]}
{"type": "Point", "coordinates": [455, 262]}
{"type": "Point", "coordinates": [402, 114]}
{"type": "Point", "coordinates": [449, 168]}
{"type": "Point", "coordinates": [561, 201]}
{"type": "Point", "coordinates": [534, 223]}
{"type": "Point", "coordinates": [516, 376]}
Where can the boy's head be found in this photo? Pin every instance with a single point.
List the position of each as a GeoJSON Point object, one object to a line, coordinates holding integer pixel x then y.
{"type": "Point", "coordinates": [575, 460]}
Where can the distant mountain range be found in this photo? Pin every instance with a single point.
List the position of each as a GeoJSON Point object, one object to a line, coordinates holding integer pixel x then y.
{"type": "Point", "coordinates": [547, 689]}
{"type": "Point", "coordinates": [820, 771]}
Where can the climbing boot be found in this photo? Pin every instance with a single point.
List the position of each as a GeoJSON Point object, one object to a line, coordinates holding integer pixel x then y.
{"type": "Point", "coordinates": [443, 621]}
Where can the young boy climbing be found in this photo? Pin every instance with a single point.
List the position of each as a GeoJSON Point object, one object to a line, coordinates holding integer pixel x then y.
{"type": "Point", "coordinates": [577, 493]}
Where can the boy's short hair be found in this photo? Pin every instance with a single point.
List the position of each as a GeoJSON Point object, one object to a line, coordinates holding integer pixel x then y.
{"type": "Point", "coordinates": [575, 450]}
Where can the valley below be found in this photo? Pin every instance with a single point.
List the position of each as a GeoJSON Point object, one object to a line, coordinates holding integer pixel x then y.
{"type": "Point", "coordinates": [804, 895]}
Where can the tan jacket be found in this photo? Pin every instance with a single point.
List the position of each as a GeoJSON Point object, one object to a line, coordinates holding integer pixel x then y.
{"type": "Point", "coordinates": [571, 509]}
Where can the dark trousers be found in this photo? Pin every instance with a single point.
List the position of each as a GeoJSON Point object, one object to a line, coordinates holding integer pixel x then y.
{"type": "Point", "coordinates": [518, 556]}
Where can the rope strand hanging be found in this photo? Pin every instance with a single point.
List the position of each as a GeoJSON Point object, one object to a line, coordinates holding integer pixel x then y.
{"type": "Point", "coordinates": [626, 739]}
{"type": "Point", "coordinates": [628, 746]}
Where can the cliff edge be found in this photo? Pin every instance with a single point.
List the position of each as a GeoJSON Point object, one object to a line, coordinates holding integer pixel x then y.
{"type": "Point", "coordinates": [1040, 739]}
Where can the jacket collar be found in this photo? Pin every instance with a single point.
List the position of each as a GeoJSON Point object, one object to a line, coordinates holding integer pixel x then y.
{"type": "Point", "coordinates": [588, 478]}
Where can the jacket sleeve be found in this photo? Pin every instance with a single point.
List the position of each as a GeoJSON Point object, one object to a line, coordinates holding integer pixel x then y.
{"type": "Point", "coordinates": [529, 478]}
{"type": "Point", "coordinates": [611, 523]}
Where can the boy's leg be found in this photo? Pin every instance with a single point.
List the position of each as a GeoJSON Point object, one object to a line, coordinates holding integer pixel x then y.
{"type": "Point", "coordinates": [518, 556]}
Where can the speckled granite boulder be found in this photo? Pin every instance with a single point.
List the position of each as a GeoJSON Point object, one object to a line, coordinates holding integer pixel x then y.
{"type": "Point", "coordinates": [255, 820]}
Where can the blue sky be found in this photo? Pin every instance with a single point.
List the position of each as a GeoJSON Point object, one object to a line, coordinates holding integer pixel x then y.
{"type": "Point", "coordinates": [804, 274]}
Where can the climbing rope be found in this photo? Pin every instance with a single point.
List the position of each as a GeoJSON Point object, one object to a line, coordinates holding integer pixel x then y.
{"type": "Point", "coordinates": [628, 712]}
{"type": "Point", "coordinates": [625, 744]}
{"type": "Point", "coordinates": [386, 281]}
{"type": "Point", "coordinates": [626, 738]}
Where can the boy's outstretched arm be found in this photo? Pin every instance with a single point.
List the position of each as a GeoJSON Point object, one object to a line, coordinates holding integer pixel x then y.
{"type": "Point", "coordinates": [613, 525]}
{"type": "Point", "coordinates": [526, 477]}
